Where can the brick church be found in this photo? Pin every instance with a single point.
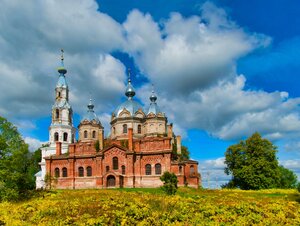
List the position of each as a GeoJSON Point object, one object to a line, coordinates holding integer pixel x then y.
{"type": "Point", "coordinates": [140, 147]}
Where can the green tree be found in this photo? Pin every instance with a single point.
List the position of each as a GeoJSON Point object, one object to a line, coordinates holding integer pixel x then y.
{"type": "Point", "coordinates": [288, 178]}
{"type": "Point", "coordinates": [253, 164]}
{"type": "Point", "coordinates": [15, 178]}
{"type": "Point", "coordinates": [174, 150]}
{"type": "Point", "coordinates": [34, 165]}
{"type": "Point", "coordinates": [170, 183]}
{"type": "Point", "coordinates": [185, 154]}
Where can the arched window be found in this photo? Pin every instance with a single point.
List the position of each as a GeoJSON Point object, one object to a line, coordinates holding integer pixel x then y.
{"type": "Point", "coordinates": [59, 94]}
{"type": "Point", "coordinates": [72, 138]}
{"type": "Point", "coordinates": [192, 169]}
{"type": "Point", "coordinates": [57, 114]}
{"type": "Point", "coordinates": [85, 134]}
{"type": "Point", "coordinates": [94, 134]}
{"type": "Point", "coordinates": [81, 171]}
{"type": "Point", "coordinates": [107, 168]}
{"type": "Point", "coordinates": [56, 172]}
{"type": "Point", "coordinates": [65, 136]}
{"type": "Point", "coordinates": [157, 169]}
{"type": "Point", "coordinates": [148, 169]}
{"type": "Point", "coordinates": [56, 136]}
{"type": "Point", "coordinates": [64, 172]}
{"type": "Point", "coordinates": [180, 169]}
{"type": "Point", "coordinates": [123, 169]}
{"type": "Point", "coordinates": [114, 130]}
{"type": "Point", "coordinates": [89, 171]}
{"type": "Point", "coordinates": [139, 129]}
{"type": "Point", "coordinates": [115, 163]}
{"type": "Point", "coordinates": [125, 128]}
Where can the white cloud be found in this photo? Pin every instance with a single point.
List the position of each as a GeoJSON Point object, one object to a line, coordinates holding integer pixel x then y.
{"type": "Point", "coordinates": [33, 143]}
{"type": "Point", "coordinates": [228, 111]}
{"type": "Point", "coordinates": [187, 54]}
{"type": "Point", "coordinates": [191, 61]}
{"type": "Point", "coordinates": [31, 35]}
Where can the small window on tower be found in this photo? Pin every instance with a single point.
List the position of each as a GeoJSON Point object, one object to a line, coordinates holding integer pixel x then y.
{"type": "Point", "coordinates": [139, 129]}
{"type": "Point", "coordinates": [56, 136]}
{"type": "Point", "coordinates": [94, 134]}
{"type": "Point", "coordinates": [65, 136]}
{"type": "Point", "coordinates": [85, 134]}
{"type": "Point", "coordinates": [59, 94]}
{"type": "Point", "coordinates": [125, 128]}
{"type": "Point", "coordinates": [57, 114]}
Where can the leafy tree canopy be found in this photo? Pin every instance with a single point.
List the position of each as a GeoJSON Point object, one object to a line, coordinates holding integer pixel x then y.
{"type": "Point", "coordinates": [15, 178]}
{"type": "Point", "coordinates": [170, 183]}
{"type": "Point", "coordinates": [253, 165]}
{"type": "Point", "coordinates": [288, 178]}
{"type": "Point", "coordinates": [185, 154]}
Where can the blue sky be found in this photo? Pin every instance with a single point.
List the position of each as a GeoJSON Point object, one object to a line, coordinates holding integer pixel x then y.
{"type": "Point", "coordinates": [221, 69]}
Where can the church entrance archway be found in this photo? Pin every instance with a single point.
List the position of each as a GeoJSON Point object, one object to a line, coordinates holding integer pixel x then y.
{"type": "Point", "coordinates": [111, 181]}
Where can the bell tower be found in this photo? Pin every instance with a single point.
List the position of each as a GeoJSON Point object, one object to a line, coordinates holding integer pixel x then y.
{"type": "Point", "coordinates": [61, 129]}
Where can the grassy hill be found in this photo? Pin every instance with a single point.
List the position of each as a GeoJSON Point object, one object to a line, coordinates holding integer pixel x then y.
{"type": "Point", "coordinates": [152, 207]}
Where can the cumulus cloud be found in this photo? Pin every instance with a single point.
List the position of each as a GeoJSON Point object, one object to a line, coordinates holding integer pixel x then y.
{"type": "Point", "coordinates": [229, 111]}
{"type": "Point", "coordinates": [191, 61]}
{"type": "Point", "coordinates": [188, 54]}
{"type": "Point", "coordinates": [31, 35]}
{"type": "Point", "coordinates": [33, 143]}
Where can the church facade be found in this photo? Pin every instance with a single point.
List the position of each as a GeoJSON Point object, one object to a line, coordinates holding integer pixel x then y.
{"type": "Point", "coordinates": [140, 148]}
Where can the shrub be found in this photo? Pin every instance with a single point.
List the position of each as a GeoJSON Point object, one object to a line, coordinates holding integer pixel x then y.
{"type": "Point", "coordinates": [170, 183]}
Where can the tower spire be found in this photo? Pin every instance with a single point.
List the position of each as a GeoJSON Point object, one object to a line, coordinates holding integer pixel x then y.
{"type": "Point", "coordinates": [61, 70]}
{"type": "Point", "coordinates": [129, 89]}
{"type": "Point", "coordinates": [91, 105]}
{"type": "Point", "coordinates": [62, 57]}
{"type": "Point", "coordinates": [153, 97]}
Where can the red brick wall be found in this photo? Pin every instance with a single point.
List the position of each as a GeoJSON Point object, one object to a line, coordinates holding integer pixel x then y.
{"type": "Point", "coordinates": [135, 175]}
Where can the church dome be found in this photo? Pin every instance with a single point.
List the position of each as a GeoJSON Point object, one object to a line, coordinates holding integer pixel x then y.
{"type": "Point", "coordinates": [130, 105]}
{"type": "Point", "coordinates": [153, 108]}
{"type": "Point", "coordinates": [90, 114]}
